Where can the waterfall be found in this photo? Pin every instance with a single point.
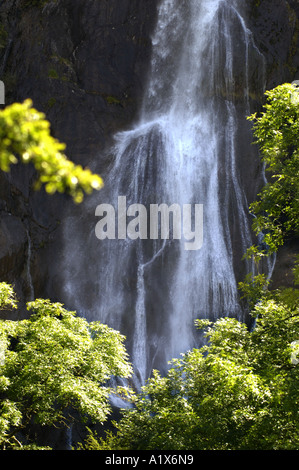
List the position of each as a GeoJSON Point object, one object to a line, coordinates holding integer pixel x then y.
{"type": "Point", "coordinates": [30, 295]}
{"type": "Point", "coordinates": [184, 153]}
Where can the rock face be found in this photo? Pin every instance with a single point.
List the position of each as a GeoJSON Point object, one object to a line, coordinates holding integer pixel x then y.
{"type": "Point", "coordinates": [84, 63]}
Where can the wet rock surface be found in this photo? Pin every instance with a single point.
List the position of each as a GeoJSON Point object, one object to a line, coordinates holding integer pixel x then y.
{"type": "Point", "coordinates": [83, 63]}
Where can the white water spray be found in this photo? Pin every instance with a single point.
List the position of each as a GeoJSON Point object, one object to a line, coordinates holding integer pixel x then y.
{"type": "Point", "coordinates": [183, 150]}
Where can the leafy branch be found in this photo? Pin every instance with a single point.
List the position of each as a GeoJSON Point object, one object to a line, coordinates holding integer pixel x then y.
{"type": "Point", "coordinates": [25, 136]}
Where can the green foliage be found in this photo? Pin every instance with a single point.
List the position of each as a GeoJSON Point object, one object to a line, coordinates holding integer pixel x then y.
{"type": "Point", "coordinates": [254, 288]}
{"type": "Point", "coordinates": [276, 209]}
{"type": "Point", "coordinates": [276, 132]}
{"type": "Point", "coordinates": [91, 441]}
{"type": "Point", "coordinates": [53, 363]}
{"type": "Point", "coordinates": [53, 73]}
{"type": "Point", "coordinates": [7, 296]}
{"type": "Point", "coordinates": [112, 100]}
{"type": "Point", "coordinates": [25, 136]}
{"type": "Point", "coordinates": [238, 392]}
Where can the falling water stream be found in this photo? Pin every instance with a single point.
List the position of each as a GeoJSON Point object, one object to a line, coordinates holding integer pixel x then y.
{"type": "Point", "coordinates": [184, 150]}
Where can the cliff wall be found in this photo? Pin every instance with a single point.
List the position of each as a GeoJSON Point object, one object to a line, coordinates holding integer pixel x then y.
{"type": "Point", "coordinates": [84, 63]}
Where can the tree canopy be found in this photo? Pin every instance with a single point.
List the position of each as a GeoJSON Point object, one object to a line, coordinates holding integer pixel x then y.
{"type": "Point", "coordinates": [25, 136]}
{"type": "Point", "coordinates": [276, 132]}
{"type": "Point", "coordinates": [52, 364]}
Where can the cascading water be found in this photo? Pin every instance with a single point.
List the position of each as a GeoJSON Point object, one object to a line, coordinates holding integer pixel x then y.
{"type": "Point", "coordinates": [30, 295]}
{"type": "Point", "coordinates": [183, 151]}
